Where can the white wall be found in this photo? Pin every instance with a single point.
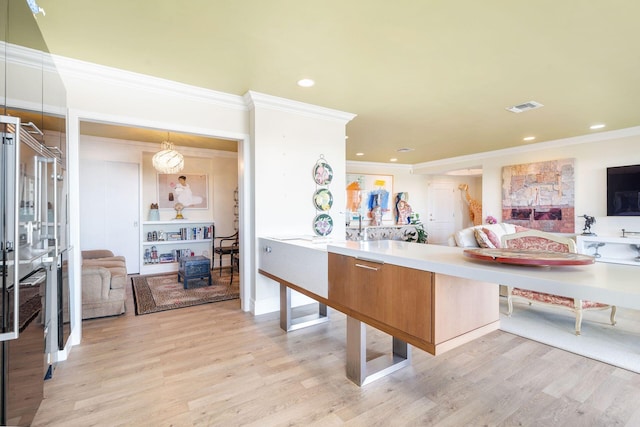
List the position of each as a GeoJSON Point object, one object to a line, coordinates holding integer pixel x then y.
{"type": "Point", "coordinates": [287, 143]}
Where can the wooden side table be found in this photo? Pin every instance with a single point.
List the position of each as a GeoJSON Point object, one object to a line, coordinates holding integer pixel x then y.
{"type": "Point", "coordinates": [194, 267]}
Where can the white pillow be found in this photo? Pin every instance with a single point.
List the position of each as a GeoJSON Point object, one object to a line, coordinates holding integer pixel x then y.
{"type": "Point", "coordinates": [465, 238]}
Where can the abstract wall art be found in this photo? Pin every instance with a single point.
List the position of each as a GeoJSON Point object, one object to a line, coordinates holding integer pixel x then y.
{"type": "Point", "coordinates": [540, 195]}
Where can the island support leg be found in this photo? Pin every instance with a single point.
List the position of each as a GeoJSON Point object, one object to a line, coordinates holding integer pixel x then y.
{"type": "Point", "coordinates": [288, 322]}
{"type": "Point", "coordinates": [362, 372]}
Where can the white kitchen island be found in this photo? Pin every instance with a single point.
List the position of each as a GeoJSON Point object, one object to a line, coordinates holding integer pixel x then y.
{"type": "Point", "coordinates": [432, 297]}
{"type": "Point", "coordinates": [613, 284]}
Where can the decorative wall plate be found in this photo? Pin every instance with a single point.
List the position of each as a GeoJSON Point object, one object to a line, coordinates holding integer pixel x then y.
{"type": "Point", "coordinates": [322, 173]}
{"type": "Point", "coordinates": [323, 199]}
{"type": "Point", "coordinates": [322, 224]}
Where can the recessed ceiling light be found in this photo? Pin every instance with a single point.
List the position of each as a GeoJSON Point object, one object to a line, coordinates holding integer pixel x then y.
{"type": "Point", "coordinates": [529, 138]}
{"type": "Point", "coordinates": [393, 160]}
{"type": "Point", "coordinates": [359, 154]}
{"type": "Point", "coordinates": [598, 126]}
{"type": "Point", "coordinates": [306, 83]}
{"type": "Point", "coordinates": [404, 150]}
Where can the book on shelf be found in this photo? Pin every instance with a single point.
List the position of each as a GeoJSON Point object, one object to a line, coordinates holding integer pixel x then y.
{"type": "Point", "coordinates": [196, 233]}
{"type": "Point", "coordinates": [179, 253]}
{"type": "Point", "coordinates": [167, 258]}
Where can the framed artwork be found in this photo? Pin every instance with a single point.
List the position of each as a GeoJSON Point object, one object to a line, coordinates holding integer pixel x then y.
{"type": "Point", "coordinates": [366, 192]}
{"type": "Point", "coordinates": [540, 195]}
{"type": "Point", "coordinates": [191, 190]}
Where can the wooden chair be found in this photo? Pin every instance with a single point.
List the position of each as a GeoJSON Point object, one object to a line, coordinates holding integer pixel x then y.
{"type": "Point", "coordinates": [235, 265]}
{"type": "Point", "coordinates": [224, 248]}
{"type": "Point", "coordinates": [541, 241]}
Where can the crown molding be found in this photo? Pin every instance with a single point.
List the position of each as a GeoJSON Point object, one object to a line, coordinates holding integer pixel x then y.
{"type": "Point", "coordinates": [27, 57]}
{"type": "Point", "coordinates": [256, 99]}
{"type": "Point", "coordinates": [95, 72]}
{"type": "Point", "coordinates": [152, 147]}
{"type": "Point", "coordinates": [546, 145]}
{"type": "Point", "coordinates": [404, 167]}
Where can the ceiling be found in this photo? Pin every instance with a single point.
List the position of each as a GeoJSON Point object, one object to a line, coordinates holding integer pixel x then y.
{"type": "Point", "coordinates": [433, 76]}
{"type": "Point", "coordinates": [155, 135]}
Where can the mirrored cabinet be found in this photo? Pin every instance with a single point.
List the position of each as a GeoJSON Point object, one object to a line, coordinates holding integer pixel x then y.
{"type": "Point", "coordinates": [34, 206]}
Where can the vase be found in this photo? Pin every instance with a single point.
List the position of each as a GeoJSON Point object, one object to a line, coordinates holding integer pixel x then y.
{"type": "Point", "coordinates": [154, 215]}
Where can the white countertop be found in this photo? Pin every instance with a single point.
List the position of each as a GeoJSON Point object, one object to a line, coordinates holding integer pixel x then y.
{"type": "Point", "coordinates": [312, 242]}
{"type": "Point", "coordinates": [607, 283]}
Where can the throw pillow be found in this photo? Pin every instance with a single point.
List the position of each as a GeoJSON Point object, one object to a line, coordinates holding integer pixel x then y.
{"type": "Point", "coordinates": [482, 239]}
{"type": "Point", "coordinates": [493, 237]}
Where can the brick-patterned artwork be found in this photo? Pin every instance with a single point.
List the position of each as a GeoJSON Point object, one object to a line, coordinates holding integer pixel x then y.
{"type": "Point", "coordinates": [540, 195]}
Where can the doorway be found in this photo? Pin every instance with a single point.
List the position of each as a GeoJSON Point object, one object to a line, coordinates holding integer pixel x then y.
{"type": "Point", "coordinates": [441, 207]}
{"type": "Point", "coordinates": [110, 208]}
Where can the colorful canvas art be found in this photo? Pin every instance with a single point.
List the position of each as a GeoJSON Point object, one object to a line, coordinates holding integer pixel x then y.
{"type": "Point", "coordinates": [369, 196]}
{"type": "Point", "coordinates": [540, 195]}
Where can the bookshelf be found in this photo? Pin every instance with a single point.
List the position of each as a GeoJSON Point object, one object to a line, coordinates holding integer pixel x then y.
{"type": "Point", "coordinates": [163, 242]}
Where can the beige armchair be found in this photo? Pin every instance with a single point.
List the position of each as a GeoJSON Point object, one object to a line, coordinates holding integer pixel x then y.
{"type": "Point", "coordinates": [104, 278]}
{"type": "Point", "coordinates": [541, 241]}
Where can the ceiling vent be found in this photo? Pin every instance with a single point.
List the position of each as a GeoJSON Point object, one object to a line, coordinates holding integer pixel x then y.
{"type": "Point", "coordinates": [531, 105]}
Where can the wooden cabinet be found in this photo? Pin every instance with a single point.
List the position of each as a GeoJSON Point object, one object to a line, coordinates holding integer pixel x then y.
{"type": "Point", "coordinates": [383, 293]}
{"type": "Point", "coordinates": [434, 312]}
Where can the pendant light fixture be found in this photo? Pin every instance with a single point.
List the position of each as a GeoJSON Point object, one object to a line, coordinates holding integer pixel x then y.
{"type": "Point", "coordinates": [168, 160]}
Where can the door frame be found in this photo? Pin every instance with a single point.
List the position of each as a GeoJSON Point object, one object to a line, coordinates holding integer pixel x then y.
{"type": "Point", "coordinates": [247, 238]}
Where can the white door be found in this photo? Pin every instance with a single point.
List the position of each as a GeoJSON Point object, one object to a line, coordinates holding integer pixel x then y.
{"type": "Point", "coordinates": [441, 217]}
{"type": "Point", "coordinates": [109, 209]}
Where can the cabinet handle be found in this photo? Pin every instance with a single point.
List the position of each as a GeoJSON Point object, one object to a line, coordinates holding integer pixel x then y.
{"type": "Point", "coordinates": [367, 267]}
{"type": "Point", "coordinates": [376, 261]}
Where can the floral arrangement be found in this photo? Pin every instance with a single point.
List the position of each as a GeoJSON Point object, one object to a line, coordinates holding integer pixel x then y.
{"type": "Point", "coordinates": [491, 220]}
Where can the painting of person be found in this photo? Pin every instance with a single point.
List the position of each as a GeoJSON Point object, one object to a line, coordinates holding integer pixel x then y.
{"type": "Point", "coordinates": [188, 189]}
{"type": "Point", "coordinates": [183, 193]}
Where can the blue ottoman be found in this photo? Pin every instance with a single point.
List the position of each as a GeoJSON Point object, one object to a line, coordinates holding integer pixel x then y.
{"type": "Point", "coordinates": [194, 267]}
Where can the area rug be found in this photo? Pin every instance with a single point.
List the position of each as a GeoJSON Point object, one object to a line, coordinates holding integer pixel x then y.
{"type": "Point", "coordinates": [154, 293]}
{"type": "Point", "coordinates": [617, 345]}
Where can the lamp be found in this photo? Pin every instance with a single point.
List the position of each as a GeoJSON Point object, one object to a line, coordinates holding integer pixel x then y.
{"type": "Point", "coordinates": [168, 160]}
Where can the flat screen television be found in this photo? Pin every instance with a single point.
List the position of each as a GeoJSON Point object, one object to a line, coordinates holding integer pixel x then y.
{"type": "Point", "coordinates": [623, 191]}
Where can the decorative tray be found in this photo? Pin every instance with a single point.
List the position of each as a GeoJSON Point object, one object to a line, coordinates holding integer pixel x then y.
{"type": "Point", "coordinates": [525, 257]}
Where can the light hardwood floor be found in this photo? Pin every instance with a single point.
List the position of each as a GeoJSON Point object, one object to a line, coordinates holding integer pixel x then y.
{"type": "Point", "coordinates": [214, 365]}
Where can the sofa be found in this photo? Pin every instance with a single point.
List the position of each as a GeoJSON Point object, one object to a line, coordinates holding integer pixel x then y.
{"type": "Point", "coordinates": [468, 237]}
{"type": "Point", "coordinates": [104, 279]}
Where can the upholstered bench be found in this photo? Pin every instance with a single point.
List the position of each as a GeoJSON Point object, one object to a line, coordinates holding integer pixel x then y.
{"type": "Point", "coordinates": [541, 241]}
